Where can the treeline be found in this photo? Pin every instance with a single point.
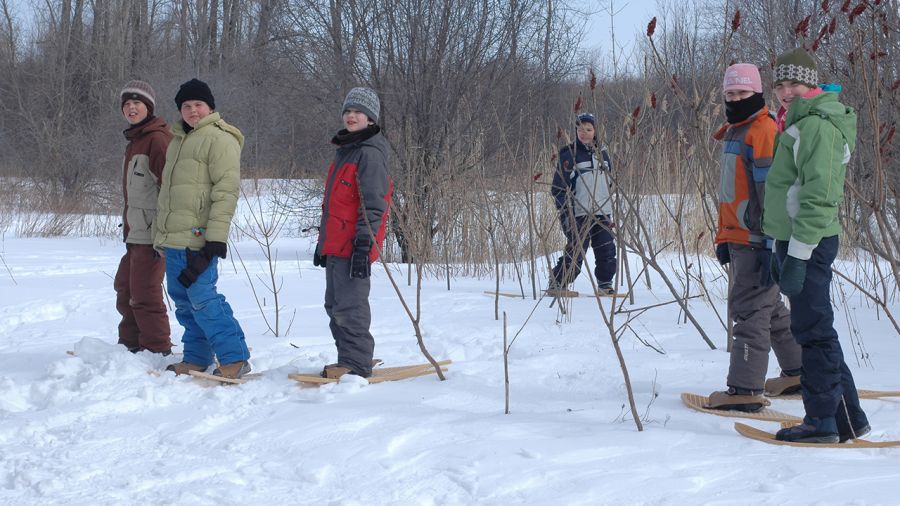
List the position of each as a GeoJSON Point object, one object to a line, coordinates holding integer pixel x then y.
{"type": "Point", "coordinates": [477, 96]}
{"type": "Point", "coordinates": [451, 74]}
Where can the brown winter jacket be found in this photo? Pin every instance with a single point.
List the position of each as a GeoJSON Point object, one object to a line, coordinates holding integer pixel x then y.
{"type": "Point", "coordinates": [145, 157]}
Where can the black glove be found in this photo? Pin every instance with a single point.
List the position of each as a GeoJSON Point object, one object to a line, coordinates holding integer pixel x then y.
{"type": "Point", "coordinates": [359, 259]}
{"type": "Point", "coordinates": [196, 265]}
{"type": "Point", "coordinates": [723, 254]}
{"type": "Point", "coordinates": [764, 266]}
{"type": "Point", "coordinates": [793, 274]}
{"type": "Point", "coordinates": [319, 260]}
{"type": "Point", "coordinates": [215, 249]}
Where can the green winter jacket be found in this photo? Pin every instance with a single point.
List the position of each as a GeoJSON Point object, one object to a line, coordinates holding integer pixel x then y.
{"type": "Point", "coordinates": [200, 184]}
{"type": "Point", "coordinates": [806, 182]}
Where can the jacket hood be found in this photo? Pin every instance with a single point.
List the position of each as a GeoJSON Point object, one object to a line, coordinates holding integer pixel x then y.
{"type": "Point", "coordinates": [378, 142]}
{"type": "Point", "coordinates": [826, 106]}
{"type": "Point", "coordinates": [155, 124]}
{"type": "Point", "coordinates": [211, 121]}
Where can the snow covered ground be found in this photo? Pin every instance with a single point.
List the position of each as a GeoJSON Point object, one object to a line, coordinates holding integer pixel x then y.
{"type": "Point", "coordinates": [98, 429]}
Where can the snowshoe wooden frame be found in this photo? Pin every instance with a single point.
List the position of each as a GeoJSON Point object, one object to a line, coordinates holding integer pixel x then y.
{"type": "Point", "coordinates": [379, 375]}
{"type": "Point", "coordinates": [697, 402]}
{"type": "Point", "coordinates": [768, 437]}
{"type": "Point", "coordinates": [572, 294]}
{"type": "Point", "coordinates": [511, 295]}
{"type": "Point", "coordinates": [212, 377]}
{"type": "Point", "coordinates": [863, 394]}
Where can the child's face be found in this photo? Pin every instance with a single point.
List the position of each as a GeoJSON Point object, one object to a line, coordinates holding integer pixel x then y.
{"type": "Point", "coordinates": [192, 111]}
{"type": "Point", "coordinates": [586, 133]}
{"type": "Point", "coordinates": [135, 111]}
{"type": "Point", "coordinates": [735, 95]}
{"type": "Point", "coordinates": [354, 120]}
{"type": "Point", "coordinates": [787, 91]}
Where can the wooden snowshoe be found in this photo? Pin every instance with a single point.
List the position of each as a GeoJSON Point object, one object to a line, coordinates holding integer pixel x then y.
{"type": "Point", "coordinates": [769, 437]}
{"type": "Point", "coordinates": [379, 375]}
{"type": "Point", "coordinates": [699, 403]}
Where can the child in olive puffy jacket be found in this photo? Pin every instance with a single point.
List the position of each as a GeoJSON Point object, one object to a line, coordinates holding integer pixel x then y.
{"type": "Point", "coordinates": [201, 183]}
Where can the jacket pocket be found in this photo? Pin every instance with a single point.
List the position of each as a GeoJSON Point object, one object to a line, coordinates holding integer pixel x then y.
{"type": "Point", "coordinates": [345, 190]}
{"type": "Point", "coordinates": [142, 189]}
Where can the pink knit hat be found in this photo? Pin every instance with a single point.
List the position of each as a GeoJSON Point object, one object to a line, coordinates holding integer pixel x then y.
{"type": "Point", "coordinates": [742, 76]}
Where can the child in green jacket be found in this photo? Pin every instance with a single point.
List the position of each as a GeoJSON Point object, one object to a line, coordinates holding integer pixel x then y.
{"type": "Point", "coordinates": [803, 190]}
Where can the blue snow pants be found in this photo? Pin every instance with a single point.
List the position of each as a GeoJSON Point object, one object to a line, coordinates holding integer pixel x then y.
{"type": "Point", "coordinates": [827, 384]}
{"type": "Point", "coordinates": [208, 321]}
{"type": "Point", "coordinates": [589, 231]}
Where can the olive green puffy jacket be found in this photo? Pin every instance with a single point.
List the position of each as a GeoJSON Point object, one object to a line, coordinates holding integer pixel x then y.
{"type": "Point", "coordinates": [200, 184]}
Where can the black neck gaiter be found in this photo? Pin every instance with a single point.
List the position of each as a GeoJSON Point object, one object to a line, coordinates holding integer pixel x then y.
{"type": "Point", "coordinates": [735, 112]}
{"type": "Point", "coordinates": [344, 137]}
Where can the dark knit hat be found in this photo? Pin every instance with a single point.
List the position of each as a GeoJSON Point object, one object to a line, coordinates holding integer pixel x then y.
{"type": "Point", "coordinates": [586, 118]}
{"type": "Point", "coordinates": [796, 65]}
{"type": "Point", "coordinates": [139, 90]}
{"type": "Point", "coordinates": [195, 89]}
{"type": "Point", "coordinates": [364, 100]}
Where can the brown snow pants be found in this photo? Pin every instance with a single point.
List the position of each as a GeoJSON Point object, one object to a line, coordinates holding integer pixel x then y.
{"type": "Point", "coordinates": [139, 299]}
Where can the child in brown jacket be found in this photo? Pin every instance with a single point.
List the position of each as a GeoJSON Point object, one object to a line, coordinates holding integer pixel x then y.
{"type": "Point", "coordinates": [138, 281]}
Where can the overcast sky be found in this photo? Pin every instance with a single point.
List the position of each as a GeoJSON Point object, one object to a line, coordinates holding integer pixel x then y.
{"type": "Point", "coordinates": [631, 18]}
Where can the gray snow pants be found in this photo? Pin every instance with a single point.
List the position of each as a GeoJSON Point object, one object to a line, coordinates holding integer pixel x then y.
{"type": "Point", "coordinates": [761, 322]}
{"type": "Point", "coordinates": [347, 305]}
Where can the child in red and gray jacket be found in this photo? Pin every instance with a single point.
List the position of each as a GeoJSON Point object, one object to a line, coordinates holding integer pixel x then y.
{"type": "Point", "coordinates": [351, 232]}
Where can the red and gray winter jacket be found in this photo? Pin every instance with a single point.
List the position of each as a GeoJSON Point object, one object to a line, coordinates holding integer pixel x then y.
{"type": "Point", "coordinates": [357, 193]}
{"type": "Point", "coordinates": [145, 157]}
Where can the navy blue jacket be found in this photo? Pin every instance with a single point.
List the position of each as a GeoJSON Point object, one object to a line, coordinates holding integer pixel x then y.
{"type": "Point", "coordinates": [576, 160]}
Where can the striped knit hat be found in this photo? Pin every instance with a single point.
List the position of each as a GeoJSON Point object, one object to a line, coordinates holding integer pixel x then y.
{"type": "Point", "coordinates": [798, 66]}
{"type": "Point", "coordinates": [364, 100]}
{"type": "Point", "coordinates": [139, 90]}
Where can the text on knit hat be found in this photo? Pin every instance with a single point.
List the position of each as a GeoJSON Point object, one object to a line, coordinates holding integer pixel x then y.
{"type": "Point", "coordinates": [742, 77]}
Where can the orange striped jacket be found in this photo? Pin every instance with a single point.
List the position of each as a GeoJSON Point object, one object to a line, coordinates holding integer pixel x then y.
{"type": "Point", "coordinates": [746, 157]}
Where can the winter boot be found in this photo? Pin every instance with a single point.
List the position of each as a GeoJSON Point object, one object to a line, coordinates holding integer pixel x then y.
{"type": "Point", "coordinates": [185, 367]}
{"type": "Point", "coordinates": [843, 437]}
{"type": "Point", "coordinates": [606, 290]}
{"type": "Point", "coordinates": [335, 371]}
{"type": "Point", "coordinates": [812, 430]}
{"type": "Point", "coordinates": [375, 362]}
{"type": "Point", "coordinates": [782, 385]}
{"type": "Point", "coordinates": [737, 399]}
{"type": "Point", "coordinates": [558, 290]}
{"type": "Point", "coordinates": [233, 370]}
{"type": "Point", "coordinates": [851, 425]}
